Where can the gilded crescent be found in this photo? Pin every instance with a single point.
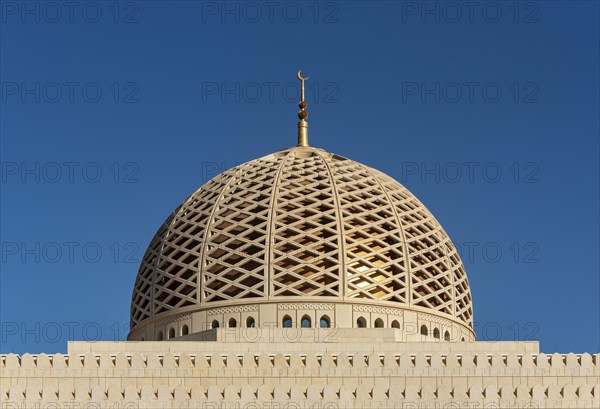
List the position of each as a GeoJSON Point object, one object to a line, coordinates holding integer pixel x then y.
{"type": "Point", "coordinates": [300, 77]}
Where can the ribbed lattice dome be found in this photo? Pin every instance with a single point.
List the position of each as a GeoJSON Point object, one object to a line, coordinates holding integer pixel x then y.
{"type": "Point", "coordinates": [300, 225]}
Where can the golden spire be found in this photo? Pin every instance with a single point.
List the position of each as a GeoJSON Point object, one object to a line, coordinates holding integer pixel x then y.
{"type": "Point", "coordinates": [302, 115]}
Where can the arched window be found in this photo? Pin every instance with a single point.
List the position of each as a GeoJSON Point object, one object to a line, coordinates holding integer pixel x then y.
{"type": "Point", "coordinates": [159, 336]}
{"type": "Point", "coordinates": [215, 324]}
{"type": "Point", "coordinates": [462, 339]}
{"type": "Point", "coordinates": [436, 333]}
{"type": "Point", "coordinates": [378, 323]}
{"type": "Point", "coordinates": [286, 322]}
{"type": "Point", "coordinates": [250, 323]}
{"type": "Point", "coordinates": [424, 330]}
{"type": "Point", "coordinates": [324, 322]}
{"type": "Point", "coordinates": [361, 322]}
{"type": "Point", "coordinates": [232, 323]}
{"type": "Point", "coordinates": [306, 322]}
{"type": "Point", "coordinates": [185, 330]}
{"type": "Point", "coordinates": [171, 333]}
{"type": "Point", "coordinates": [395, 324]}
{"type": "Point", "coordinates": [446, 336]}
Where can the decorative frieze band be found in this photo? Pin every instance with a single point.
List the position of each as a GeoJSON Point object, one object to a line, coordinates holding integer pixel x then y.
{"type": "Point", "coordinates": [306, 306]}
{"type": "Point", "coordinates": [377, 310]}
{"type": "Point", "coordinates": [230, 310]}
{"type": "Point", "coordinates": [432, 318]}
{"type": "Point", "coordinates": [169, 320]}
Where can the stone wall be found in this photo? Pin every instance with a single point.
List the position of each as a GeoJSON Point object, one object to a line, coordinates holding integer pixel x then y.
{"type": "Point", "coordinates": [293, 375]}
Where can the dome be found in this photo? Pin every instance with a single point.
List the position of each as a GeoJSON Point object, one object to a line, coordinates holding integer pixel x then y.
{"type": "Point", "coordinates": [301, 237]}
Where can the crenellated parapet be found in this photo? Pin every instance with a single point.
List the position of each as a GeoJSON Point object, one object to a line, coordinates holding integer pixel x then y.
{"type": "Point", "coordinates": [496, 364]}
{"type": "Point", "coordinates": [201, 374]}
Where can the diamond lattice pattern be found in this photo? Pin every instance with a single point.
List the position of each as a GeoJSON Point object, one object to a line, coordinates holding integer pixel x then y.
{"type": "Point", "coordinates": [302, 223]}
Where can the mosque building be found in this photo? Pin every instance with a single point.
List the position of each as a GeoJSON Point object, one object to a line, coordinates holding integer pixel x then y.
{"type": "Point", "coordinates": [301, 279]}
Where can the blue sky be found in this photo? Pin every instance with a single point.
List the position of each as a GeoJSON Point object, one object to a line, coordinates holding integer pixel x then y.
{"type": "Point", "coordinates": [111, 115]}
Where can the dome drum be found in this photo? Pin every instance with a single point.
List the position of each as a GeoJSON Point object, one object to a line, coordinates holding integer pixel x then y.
{"type": "Point", "coordinates": [269, 316]}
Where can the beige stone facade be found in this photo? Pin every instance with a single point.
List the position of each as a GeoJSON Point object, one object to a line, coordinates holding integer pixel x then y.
{"type": "Point", "coordinates": [301, 368]}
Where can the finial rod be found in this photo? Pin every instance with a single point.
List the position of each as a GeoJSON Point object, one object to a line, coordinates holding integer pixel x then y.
{"type": "Point", "coordinates": [302, 115]}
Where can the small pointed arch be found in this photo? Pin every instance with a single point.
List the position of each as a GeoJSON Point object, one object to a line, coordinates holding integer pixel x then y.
{"type": "Point", "coordinates": [446, 336]}
{"type": "Point", "coordinates": [215, 324]}
{"type": "Point", "coordinates": [171, 333]}
{"type": "Point", "coordinates": [185, 330]}
{"type": "Point", "coordinates": [324, 322]}
{"type": "Point", "coordinates": [306, 322]}
{"type": "Point", "coordinates": [395, 324]}
{"type": "Point", "coordinates": [286, 321]}
{"type": "Point", "coordinates": [436, 333]}
{"type": "Point", "coordinates": [424, 330]}
{"type": "Point", "coordinates": [232, 323]}
{"type": "Point", "coordinates": [361, 322]}
{"type": "Point", "coordinates": [378, 323]}
{"type": "Point", "coordinates": [250, 322]}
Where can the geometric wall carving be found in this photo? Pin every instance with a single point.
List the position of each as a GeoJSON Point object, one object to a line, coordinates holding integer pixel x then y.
{"type": "Point", "coordinates": [229, 310]}
{"type": "Point", "coordinates": [434, 319]}
{"type": "Point", "coordinates": [305, 306]}
{"type": "Point", "coordinates": [172, 319]}
{"type": "Point", "coordinates": [377, 310]}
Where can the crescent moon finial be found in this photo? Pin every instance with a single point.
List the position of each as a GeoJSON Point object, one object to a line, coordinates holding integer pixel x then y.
{"type": "Point", "coordinates": [300, 76]}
